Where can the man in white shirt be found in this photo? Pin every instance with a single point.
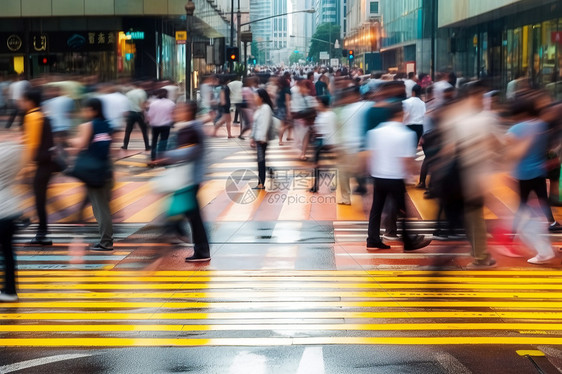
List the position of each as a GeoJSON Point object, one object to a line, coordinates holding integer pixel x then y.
{"type": "Point", "coordinates": [160, 117]}
{"type": "Point", "coordinates": [392, 149]}
{"type": "Point", "coordinates": [115, 107]}
{"type": "Point", "coordinates": [410, 83]}
{"type": "Point", "coordinates": [439, 89]}
{"type": "Point", "coordinates": [235, 87]}
{"type": "Point", "coordinates": [59, 110]}
{"type": "Point", "coordinates": [15, 94]}
{"type": "Point", "coordinates": [137, 101]}
{"type": "Point", "coordinates": [414, 112]}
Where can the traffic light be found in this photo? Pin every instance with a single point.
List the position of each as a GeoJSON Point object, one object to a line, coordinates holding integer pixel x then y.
{"type": "Point", "coordinates": [345, 53]}
{"type": "Point", "coordinates": [45, 60]}
{"type": "Point", "coordinates": [351, 54]}
{"type": "Point", "coordinates": [232, 54]}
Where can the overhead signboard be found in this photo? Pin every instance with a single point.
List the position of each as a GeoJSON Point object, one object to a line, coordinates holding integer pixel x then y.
{"type": "Point", "coordinates": [181, 37]}
{"type": "Point", "coordinates": [324, 56]}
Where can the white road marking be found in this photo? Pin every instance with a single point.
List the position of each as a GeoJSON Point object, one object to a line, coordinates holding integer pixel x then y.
{"type": "Point", "coordinates": [451, 364]}
{"type": "Point", "coordinates": [39, 362]}
{"type": "Point", "coordinates": [246, 362]}
{"type": "Point", "coordinates": [312, 361]}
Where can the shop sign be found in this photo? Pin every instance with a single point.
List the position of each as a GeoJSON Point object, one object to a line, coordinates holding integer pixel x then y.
{"type": "Point", "coordinates": [181, 37]}
{"type": "Point", "coordinates": [14, 43]}
{"type": "Point", "coordinates": [90, 41]}
{"type": "Point", "coordinates": [556, 37]}
{"type": "Point", "coordinates": [136, 35]}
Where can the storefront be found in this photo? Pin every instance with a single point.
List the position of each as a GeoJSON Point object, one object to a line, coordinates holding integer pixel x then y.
{"type": "Point", "coordinates": [527, 42]}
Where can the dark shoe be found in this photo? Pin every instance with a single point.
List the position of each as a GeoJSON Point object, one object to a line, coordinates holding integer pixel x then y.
{"type": "Point", "coordinates": [124, 148]}
{"type": "Point", "coordinates": [420, 186]}
{"type": "Point", "coordinates": [428, 195]}
{"type": "Point", "coordinates": [416, 242]}
{"type": "Point", "coordinates": [41, 240]}
{"type": "Point", "coordinates": [100, 248]}
{"type": "Point", "coordinates": [197, 258]}
{"type": "Point", "coordinates": [376, 246]}
{"type": "Point", "coordinates": [555, 227]}
{"type": "Point", "coordinates": [313, 190]}
{"type": "Point", "coordinates": [241, 137]}
{"type": "Point", "coordinates": [147, 148]}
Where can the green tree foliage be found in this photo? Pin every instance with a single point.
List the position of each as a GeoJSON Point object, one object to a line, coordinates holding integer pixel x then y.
{"type": "Point", "coordinates": [325, 33]}
{"type": "Point", "coordinates": [295, 57]}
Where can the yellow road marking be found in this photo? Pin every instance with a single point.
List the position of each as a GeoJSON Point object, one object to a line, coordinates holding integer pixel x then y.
{"type": "Point", "coordinates": [296, 327]}
{"type": "Point", "coordinates": [287, 305]}
{"type": "Point", "coordinates": [495, 280]}
{"type": "Point", "coordinates": [283, 285]}
{"type": "Point", "coordinates": [163, 342]}
{"type": "Point", "coordinates": [282, 295]}
{"type": "Point", "coordinates": [534, 353]}
{"type": "Point", "coordinates": [290, 273]}
{"type": "Point", "coordinates": [290, 315]}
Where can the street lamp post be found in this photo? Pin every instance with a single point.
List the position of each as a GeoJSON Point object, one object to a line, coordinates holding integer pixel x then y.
{"type": "Point", "coordinates": [189, 10]}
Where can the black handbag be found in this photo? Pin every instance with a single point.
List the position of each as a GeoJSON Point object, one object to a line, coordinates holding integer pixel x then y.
{"type": "Point", "coordinates": [91, 170]}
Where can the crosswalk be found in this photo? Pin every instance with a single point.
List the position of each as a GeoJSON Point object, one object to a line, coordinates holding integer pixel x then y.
{"type": "Point", "coordinates": [105, 308]}
{"type": "Point", "coordinates": [287, 197]}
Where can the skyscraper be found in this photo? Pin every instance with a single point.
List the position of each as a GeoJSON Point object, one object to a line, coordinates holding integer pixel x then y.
{"type": "Point", "coordinates": [272, 34]}
{"type": "Point", "coordinates": [327, 11]}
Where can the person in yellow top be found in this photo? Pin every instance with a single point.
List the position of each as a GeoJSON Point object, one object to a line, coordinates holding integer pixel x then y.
{"type": "Point", "coordinates": [37, 143]}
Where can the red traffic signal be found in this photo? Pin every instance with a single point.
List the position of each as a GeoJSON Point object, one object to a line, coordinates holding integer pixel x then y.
{"type": "Point", "coordinates": [351, 54]}
{"type": "Point", "coordinates": [45, 60]}
{"type": "Point", "coordinates": [232, 54]}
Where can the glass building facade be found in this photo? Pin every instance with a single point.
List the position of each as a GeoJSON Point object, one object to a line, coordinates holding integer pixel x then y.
{"type": "Point", "coordinates": [519, 41]}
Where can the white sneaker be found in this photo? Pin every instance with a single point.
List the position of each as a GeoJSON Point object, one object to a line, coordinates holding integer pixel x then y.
{"type": "Point", "coordinates": [8, 297]}
{"type": "Point", "coordinates": [539, 260]}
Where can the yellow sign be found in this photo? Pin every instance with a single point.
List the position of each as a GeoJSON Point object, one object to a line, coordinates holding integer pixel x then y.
{"type": "Point", "coordinates": [181, 36]}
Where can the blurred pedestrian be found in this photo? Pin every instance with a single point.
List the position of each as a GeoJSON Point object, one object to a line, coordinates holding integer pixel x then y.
{"type": "Point", "coordinates": [283, 110]}
{"type": "Point", "coordinates": [93, 166]}
{"type": "Point", "coordinates": [16, 90]}
{"type": "Point", "coordinates": [248, 106]}
{"type": "Point", "coordinates": [115, 107]}
{"type": "Point", "coordinates": [223, 116]}
{"type": "Point", "coordinates": [263, 121]}
{"type": "Point", "coordinates": [530, 171]}
{"type": "Point", "coordinates": [38, 141]}
{"type": "Point", "coordinates": [160, 117]}
{"type": "Point", "coordinates": [324, 133]}
{"type": "Point", "coordinates": [190, 150]}
{"type": "Point", "coordinates": [391, 153]}
{"type": "Point", "coordinates": [414, 112]}
{"type": "Point", "coordinates": [137, 104]}
{"type": "Point", "coordinates": [59, 108]}
{"type": "Point", "coordinates": [11, 158]}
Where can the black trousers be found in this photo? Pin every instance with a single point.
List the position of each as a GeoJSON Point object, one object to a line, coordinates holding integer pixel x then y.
{"type": "Point", "coordinates": [538, 186]}
{"type": "Point", "coordinates": [396, 190]}
{"type": "Point", "coordinates": [200, 239]}
{"type": "Point", "coordinates": [40, 184]}
{"type": "Point", "coordinates": [7, 230]}
{"type": "Point", "coordinates": [158, 147]}
{"type": "Point", "coordinates": [260, 148]}
{"type": "Point", "coordinates": [132, 118]}
{"type": "Point", "coordinates": [418, 129]}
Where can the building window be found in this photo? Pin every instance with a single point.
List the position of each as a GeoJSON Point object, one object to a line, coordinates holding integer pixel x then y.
{"type": "Point", "coordinates": [374, 7]}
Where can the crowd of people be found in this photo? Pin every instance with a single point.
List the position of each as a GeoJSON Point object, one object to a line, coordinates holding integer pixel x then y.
{"type": "Point", "coordinates": [374, 124]}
